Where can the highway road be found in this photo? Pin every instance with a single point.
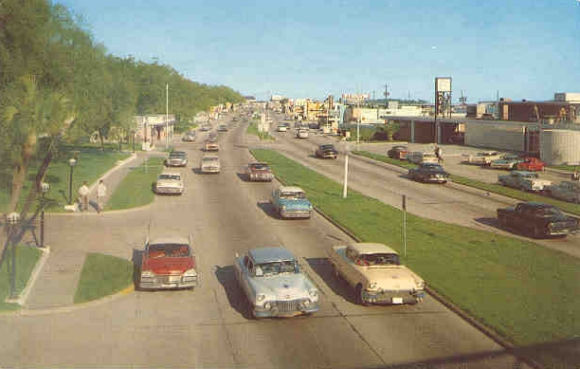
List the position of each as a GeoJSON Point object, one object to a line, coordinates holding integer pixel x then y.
{"type": "Point", "coordinates": [210, 326]}
{"type": "Point", "coordinates": [448, 203]}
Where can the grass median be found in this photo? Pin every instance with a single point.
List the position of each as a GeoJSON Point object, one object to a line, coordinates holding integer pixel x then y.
{"type": "Point", "coordinates": [490, 187]}
{"type": "Point", "coordinates": [253, 130]}
{"type": "Point", "coordinates": [103, 275]}
{"type": "Point", "coordinates": [136, 189]}
{"type": "Point", "coordinates": [26, 259]}
{"type": "Point", "coordinates": [525, 292]}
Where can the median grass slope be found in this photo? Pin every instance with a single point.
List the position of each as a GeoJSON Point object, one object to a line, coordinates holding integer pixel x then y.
{"type": "Point", "coordinates": [253, 130]}
{"type": "Point", "coordinates": [526, 292]}
{"type": "Point", "coordinates": [136, 189]}
{"type": "Point", "coordinates": [490, 187]}
{"type": "Point", "coordinates": [103, 275]}
{"type": "Point", "coordinates": [26, 259]}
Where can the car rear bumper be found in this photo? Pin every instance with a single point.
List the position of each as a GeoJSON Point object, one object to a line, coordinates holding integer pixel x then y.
{"type": "Point", "coordinates": [296, 213]}
{"type": "Point", "coordinates": [168, 191]}
{"type": "Point", "coordinates": [261, 177]}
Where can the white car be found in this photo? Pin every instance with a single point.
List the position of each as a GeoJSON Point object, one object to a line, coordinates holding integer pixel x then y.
{"type": "Point", "coordinates": [419, 157]}
{"type": "Point", "coordinates": [282, 128]}
{"type": "Point", "coordinates": [482, 158]}
{"type": "Point", "coordinates": [170, 183]}
{"type": "Point", "coordinates": [302, 133]}
{"type": "Point", "coordinates": [210, 164]}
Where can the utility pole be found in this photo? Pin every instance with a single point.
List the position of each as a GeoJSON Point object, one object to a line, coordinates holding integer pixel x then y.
{"type": "Point", "coordinates": [386, 94]}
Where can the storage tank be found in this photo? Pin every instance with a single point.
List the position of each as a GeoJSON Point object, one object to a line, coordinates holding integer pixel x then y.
{"type": "Point", "coordinates": [560, 146]}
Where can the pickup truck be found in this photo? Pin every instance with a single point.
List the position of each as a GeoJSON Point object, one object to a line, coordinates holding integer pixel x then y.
{"type": "Point", "coordinates": [538, 219]}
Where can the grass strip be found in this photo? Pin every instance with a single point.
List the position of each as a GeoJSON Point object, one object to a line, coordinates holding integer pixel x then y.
{"type": "Point", "coordinates": [526, 292]}
{"type": "Point", "coordinates": [26, 259]}
{"type": "Point", "coordinates": [103, 275]}
{"type": "Point", "coordinates": [136, 189]}
{"type": "Point", "coordinates": [490, 187]}
{"type": "Point", "coordinates": [253, 130]}
{"type": "Point", "coordinates": [569, 168]}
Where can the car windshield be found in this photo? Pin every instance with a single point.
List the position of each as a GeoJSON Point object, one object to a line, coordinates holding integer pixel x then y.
{"type": "Point", "coordinates": [530, 175]}
{"type": "Point", "coordinates": [292, 195]}
{"type": "Point", "coordinates": [176, 177]}
{"type": "Point", "coordinates": [327, 147]}
{"type": "Point", "coordinates": [167, 250]}
{"type": "Point", "coordinates": [268, 269]}
{"type": "Point", "coordinates": [179, 154]}
{"type": "Point", "coordinates": [207, 160]}
{"type": "Point", "coordinates": [548, 212]}
{"type": "Point", "coordinates": [380, 259]}
{"type": "Point", "coordinates": [259, 166]}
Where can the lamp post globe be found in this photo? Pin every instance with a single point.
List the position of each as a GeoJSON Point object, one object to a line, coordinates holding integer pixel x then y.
{"type": "Point", "coordinates": [71, 162]}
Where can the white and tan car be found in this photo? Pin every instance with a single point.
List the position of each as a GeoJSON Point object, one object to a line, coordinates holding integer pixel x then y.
{"type": "Point", "coordinates": [210, 164]}
{"type": "Point", "coordinates": [170, 183]}
{"type": "Point", "coordinates": [482, 158]}
{"type": "Point", "coordinates": [374, 270]}
{"type": "Point", "coordinates": [419, 157]}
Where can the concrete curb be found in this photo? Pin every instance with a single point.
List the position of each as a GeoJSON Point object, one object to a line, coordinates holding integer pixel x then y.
{"type": "Point", "coordinates": [23, 296]}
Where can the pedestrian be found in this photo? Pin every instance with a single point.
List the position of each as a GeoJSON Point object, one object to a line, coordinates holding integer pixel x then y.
{"type": "Point", "coordinates": [575, 175]}
{"type": "Point", "coordinates": [101, 193]}
{"type": "Point", "coordinates": [84, 194]}
{"type": "Point", "coordinates": [438, 154]}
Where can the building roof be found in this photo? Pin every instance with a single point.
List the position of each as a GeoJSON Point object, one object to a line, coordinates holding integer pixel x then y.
{"type": "Point", "coordinates": [270, 255]}
{"type": "Point", "coordinates": [371, 248]}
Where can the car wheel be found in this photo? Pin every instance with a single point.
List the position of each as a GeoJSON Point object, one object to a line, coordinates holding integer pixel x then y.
{"type": "Point", "coordinates": [360, 295]}
{"type": "Point", "coordinates": [537, 232]}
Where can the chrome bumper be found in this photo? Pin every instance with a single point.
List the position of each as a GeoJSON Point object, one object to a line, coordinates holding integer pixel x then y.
{"type": "Point", "coordinates": [393, 297]}
{"type": "Point", "coordinates": [295, 213]}
{"type": "Point", "coordinates": [165, 282]}
{"type": "Point", "coordinates": [286, 308]}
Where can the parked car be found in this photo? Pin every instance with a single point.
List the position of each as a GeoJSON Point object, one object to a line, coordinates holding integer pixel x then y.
{"type": "Point", "coordinates": [176, 159]}
{"type": "Point", "coordinates": [291, 202]}
{"type": "Point", "coordinates": [418, 157]}
{"type": "Point", "coordinates": [211, 145]}
{"type": "Point", "coordinates": [274, 283]}
{"type": "Point", "coordinates": [523, 180]}
{"type": "Point", "coordinates": [188, 137]}
{"type": "Point", "coordinates": [507, 161]}
{"type": "Point", "coordinates": [222, 128]}
{"type": "Point", "coordinates": [302, 133]}
{"type": "Point", "coordinates": [375, 272]}
{"type": "Point", "coordinates": [167, 263]}
{"type": "Point", "coordinates": [531, 164]}
{"type": "Point", "coordinates": [398, 152]}
{"type": "Point", "coordinates": [326, 151]}
{"type": "Point", "coordinates": [429, 172]}
{"type": "Point", "coordinates": [282, 128]}
{"type": "Point", "coordinates": [169, 183]}
{"type": "Point", "coordinates": [259, 172]}
{"type": "Point", "coordinates": [566, 190]}
{"type": "Point", "coordinates": [205, 127]}
{"type": "Point", "coordinates": [210, 164]}
{"type": "Point", "coordinates": [537, 219]}
{"type": "Point", "coordinates": [482, 158]}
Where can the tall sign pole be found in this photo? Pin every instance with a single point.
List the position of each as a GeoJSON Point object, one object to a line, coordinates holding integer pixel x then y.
{"type": "Point", "coordinates": [404, 227]}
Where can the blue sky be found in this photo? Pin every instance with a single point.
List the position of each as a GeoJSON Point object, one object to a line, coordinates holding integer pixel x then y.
{"type": "Point", "coordinates": [523, 49]}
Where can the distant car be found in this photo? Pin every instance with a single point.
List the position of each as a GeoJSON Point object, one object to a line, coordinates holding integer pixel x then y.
{"type": "Point", "coordinates": [537, 219]}
{"type": "Point", "coordinates": [286, 124]}
{"type": "Point", "coordinates": [211, 145]}
{"type": "Point", "coordinates": [210, 164]}
{"type": "Point", "coordinates": [170, 183]}
{"type": "Point", "coordinates": [176, 159]}
{"type": "Point", "coordinates": [482, 158]}
{"type": "Point", "coordinates": [302, 133]}
{"type": "Point", "coordinates": [531, 164]}
{"type": "Point", "coordinates": [167, 263]}
{"type": "Point", "coordinates": [375, 272]}
{"type": "Point", "coordinates": [428, 172]}
{"type": "Point", "coordinates": [281, 128]}
{"type": "Point", "coordinates": [274, 283]}
{"type": "Point", "coordinates": [222, 128]}
{"type": "Point", "coordinates": [259, 172]}
{"type": "Point", "coordinates": [205, 128]}
{"type": "Point", "coordinates": [326, 151]}
{"type": "Point", "coordinates": [188, 137]}
{"type": "Point", "coordinates": [291, 202]}
{"type": "Point", "coordinates": [525, 181]}
{"type": "Point", "coordinates": [566, 190]}
{"type": "Point", "coordinates": [507, 161]}
{"type": "Point", "coordinates": [398, 152]}
{"type": "Point", "coordinates": [418, 157]}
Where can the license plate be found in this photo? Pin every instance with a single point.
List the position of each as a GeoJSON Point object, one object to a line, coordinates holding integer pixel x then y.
{"type": "Point", "coordinates": [174, 278]}
{"type": "Point", "coordinates": [397, 300]}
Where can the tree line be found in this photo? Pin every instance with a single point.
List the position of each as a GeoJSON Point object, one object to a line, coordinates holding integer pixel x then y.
{"type": "Point", "coordinates": [58, 85]}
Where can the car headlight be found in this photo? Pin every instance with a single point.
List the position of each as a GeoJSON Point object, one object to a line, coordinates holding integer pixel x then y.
{"type": "Point", "coordinates": [372, 285]}
{"type": "Point", "coordinates": [420, 285]}
{"type": "Point", "coordinates": [313, 293]}
{"type": "Point", "coordinates": [147, 274]}
{"type": "Point", "coordinates": [190, 273]}
{"type": "Point", "coordinates": [260, 297]}
{"type": "Point", "coordinates": [267, 305]}
{"type": "Point", "coordinates": [283, 207]}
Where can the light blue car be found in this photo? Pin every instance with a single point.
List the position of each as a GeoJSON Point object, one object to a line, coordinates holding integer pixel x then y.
{"type": "Point", "coordinates": [291, 202]}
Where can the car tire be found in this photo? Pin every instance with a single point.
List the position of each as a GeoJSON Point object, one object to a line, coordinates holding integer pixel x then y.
{"type": "Point", "coordinates": [359, 295]}
{"type": "Point", "coordinates": [537, 232]}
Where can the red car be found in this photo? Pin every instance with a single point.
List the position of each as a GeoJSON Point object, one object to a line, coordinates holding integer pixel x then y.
{"type": "Point", "coordinates": [531, 164]}
{"type": "Point", "coordinates": [168, 263]}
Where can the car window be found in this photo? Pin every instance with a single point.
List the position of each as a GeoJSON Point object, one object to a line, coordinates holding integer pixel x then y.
{"type": "Point", "coordinates": [275, 268]}
{"type": "Point", "coordinates": [380, 259]}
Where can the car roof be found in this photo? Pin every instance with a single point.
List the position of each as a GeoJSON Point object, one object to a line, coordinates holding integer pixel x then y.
{"type": "Point", "coordinates": [270, 254]}
{"type": "Point", "coordinates": [210, 157]}
{"type": "Point", "coordinates": [169, 239]}
{"type": "Point", "coordinates": [260, 163]}
{"type": "Point", "coordinates": [170, 173]}
{"type": "Point", "coordinates": [371, 248]}
{"type": "Point", "coordinates": [538, 205]}
{"type": "Point", "coordinates": [522, 172]}
{"type": "Point", "coordinates": [291, 189]}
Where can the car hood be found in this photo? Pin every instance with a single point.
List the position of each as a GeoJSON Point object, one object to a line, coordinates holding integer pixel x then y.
{"type": "Point", "coordinates": [168, 265]}
{"type": "Point", "coordinates": [391, 277]}
{"type": "Point", "coordinates": [168, 183]}
{"type": "Point", "coordinates": [295, 204]}
{"type": "Point", "coordinates": [283, 286]}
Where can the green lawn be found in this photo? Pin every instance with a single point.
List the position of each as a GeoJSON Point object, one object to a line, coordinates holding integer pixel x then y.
{"type": "Point", "coordinates": [136, 189]}
{"type": "Point", "coordinates": [92, 163]}
{"type": "Point", "coordinates": [253, 130]}
{"type": "Point", "coordinates": [490, 187]}
{"type": "Point", "coordinates": [26, 258]}
{"type": "Point", "coordinates": [103, 275]}
{"type": "Point", "coordinates": [524, 291]}
{"type": "Point", "coordinates": [569, 168]}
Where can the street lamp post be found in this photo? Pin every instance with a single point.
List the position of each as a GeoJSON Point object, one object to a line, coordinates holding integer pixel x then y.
{"type": "Point", "coordinates": [346, 149]}
{"type": "Point", "coordinates": [12, 219]}
{"type": "Point", "coordinates": [71, 162]}
{"type": "Point", "coordinates": [44, 187]}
